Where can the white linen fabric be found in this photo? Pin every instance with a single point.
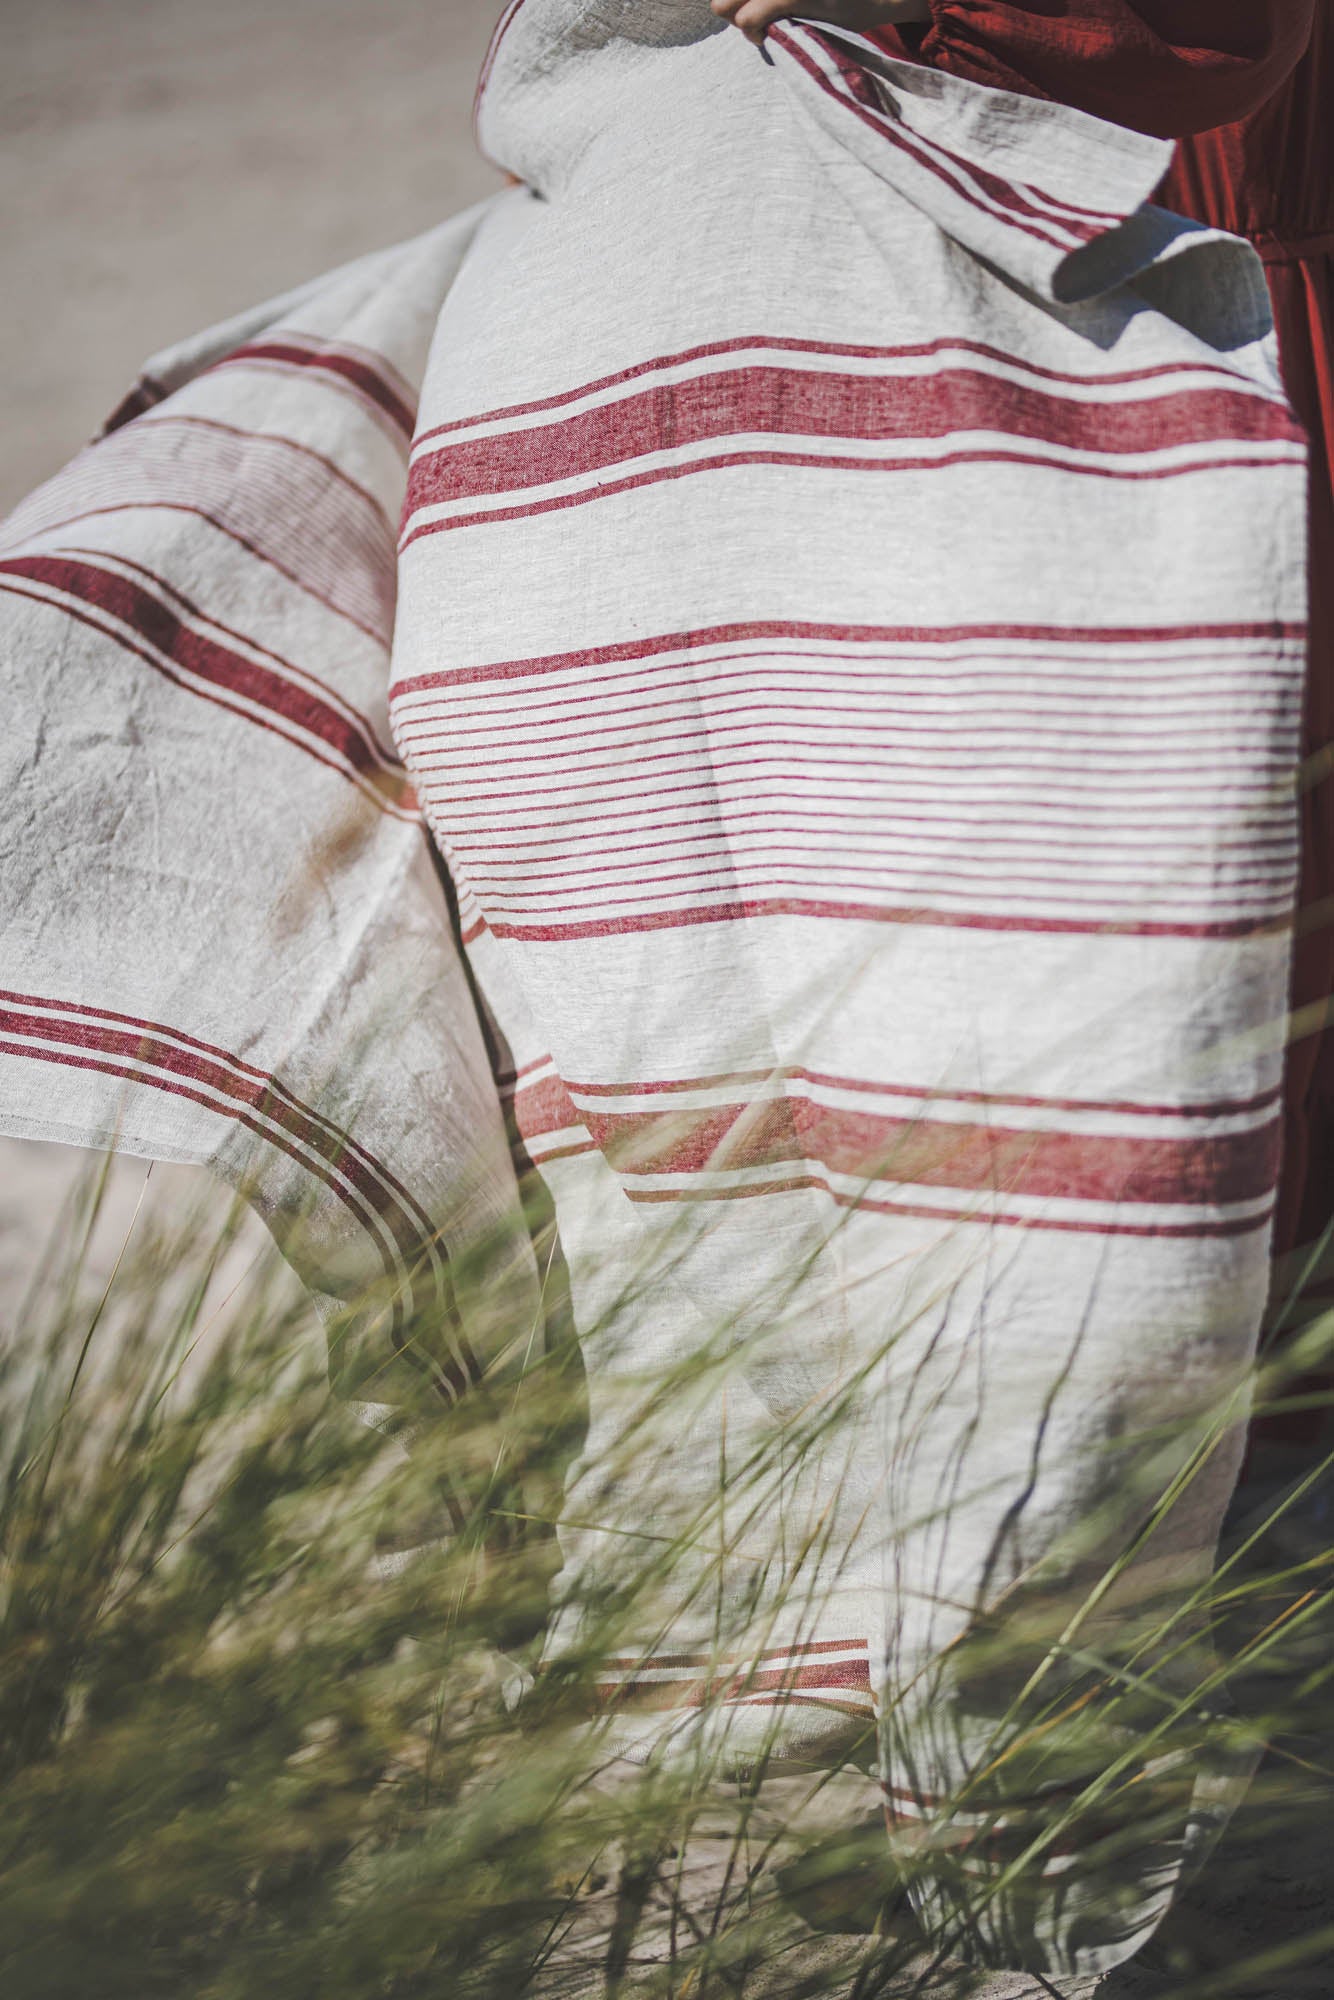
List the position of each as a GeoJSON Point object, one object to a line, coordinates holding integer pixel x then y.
{"type": "Point", "coordinates": [849, 655]}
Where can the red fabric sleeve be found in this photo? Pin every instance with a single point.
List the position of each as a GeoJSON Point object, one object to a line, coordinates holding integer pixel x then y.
{"type": "Point", "coordinates": [1164, 66]}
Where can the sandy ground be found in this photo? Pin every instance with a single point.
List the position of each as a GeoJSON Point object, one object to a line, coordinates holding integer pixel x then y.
{"type": "Point", "coordinates": [166, 162]}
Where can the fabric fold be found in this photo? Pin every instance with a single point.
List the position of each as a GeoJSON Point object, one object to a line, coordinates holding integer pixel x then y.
{"type": "Point", "coordinates": [225, 941]}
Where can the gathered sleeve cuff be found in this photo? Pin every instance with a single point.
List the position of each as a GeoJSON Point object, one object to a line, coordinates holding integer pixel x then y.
{"type": "Point", "coordinates": [1169, 67]}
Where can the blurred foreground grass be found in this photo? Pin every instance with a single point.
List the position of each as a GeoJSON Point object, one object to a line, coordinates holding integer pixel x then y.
{"type": "Point", "coordinates": [243, 1753]}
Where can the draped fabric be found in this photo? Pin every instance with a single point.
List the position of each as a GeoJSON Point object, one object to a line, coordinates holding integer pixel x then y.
{"type": "Point", "coordinates": [848, 644]}
{"type": "Point", "coordinates": [1270, 178]}
{"type": "Point", "coordinates": [224, 941]}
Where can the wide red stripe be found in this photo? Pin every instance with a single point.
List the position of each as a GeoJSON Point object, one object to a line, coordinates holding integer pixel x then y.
{"type": "Point", "coordinates": [800, 403]}
{"type": "Point", "coordinates": [829, 350]}
{"type": "Point", "coordinates": [545, 1107]}
{"type": "Point", "coordinates": [924, 1152]}
{"type": "Point", "coordinates": [162, 586]}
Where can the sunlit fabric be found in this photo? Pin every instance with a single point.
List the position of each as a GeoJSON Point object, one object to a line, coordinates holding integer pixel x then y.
{"type": "Point", "coordinates": [848, 639]}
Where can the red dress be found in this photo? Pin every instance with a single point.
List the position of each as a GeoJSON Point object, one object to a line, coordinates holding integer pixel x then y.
{"type": "Point", "coordinates": [1164, 66]}
{"type": "Point", "coordinates": [1272, 178]}
{"type": "Point", "coordinates": [1178, 68]}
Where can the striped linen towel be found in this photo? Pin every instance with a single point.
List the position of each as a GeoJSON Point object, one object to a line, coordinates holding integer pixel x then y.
{"type": "Point", "coordinates": [848, 652]}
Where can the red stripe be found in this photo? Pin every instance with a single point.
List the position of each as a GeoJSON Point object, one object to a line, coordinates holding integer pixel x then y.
{"type": "Point", "coordinates": [854, 1677]}
{"type": "Point", "coordinates": [362, 723]}
{"type": "Point", "coordinates": [702, 716]}
{"type": "Point", "coordinates": [488, 65]}
{"type": "Point", "coordinates": [545, 1107]}
{"type": "Point", "coordinates": [337, 1145]}
{"type": "Point", "coordinates": [949, 831]}
{"type": "Point", "coordinates": [610, 489]}
{"type": "Point", "coordinates": [801, 403]}
{"type": "Point", "coordinates": [271, 1114]}
{"type": "Point", "coordinates": [924, 1152]}
{"type": "Point", "coordinates": [283, 445]}
{"type": "Point", "coordinates": [130, 1046]}
{"type": "Point", "coordinates": [550, 888]}
{"type": "Point", "coordinates": [1142, 780]}
{"type": "Point", "coordinates": [327, 1150]}
{"type": "Point", "coordinates": [145, 395]}
{"type": "Point", "coordinates": [280, 505]}
{"type": "Point", "coordinates": [450, 1378]}
{"type": "Point", "coordinates": [792, 906]}
{"type": "Point", "coordinates": [863, 1203]}
{"type": "Point", "coordinates": [378, 633]}
{"type": "Point", "coordinates": [187, 658]}
{"type": "Point", "coordinates": [831, 349]}
{"type": "Point", "coordinates": [361, 374]}
{"type": "Point", "coordinates": [895, 690]}
{"type": "Point", "coordinates": [1218, 1108]}
{"type": "Point", "coordinates": [1019, 212]}
{"type": "Point", "coordinates": [636, 651]}
{"type": "Point", "coordinates": [1254, 905]}
{"type": "Point", "coordinates": [800, 1649]}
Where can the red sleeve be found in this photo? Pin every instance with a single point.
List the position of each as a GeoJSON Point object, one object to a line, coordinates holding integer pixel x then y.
{"type": "Point", "coordinates": [1164, 66]}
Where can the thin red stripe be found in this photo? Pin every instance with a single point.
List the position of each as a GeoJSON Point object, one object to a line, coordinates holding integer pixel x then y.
{"type": "Point", "coordinates": [447, 1373]}
{"type": "Point", "coordinates": [948, 831]}
{"type": "Point", "coordinates": [1218, 1108]}
{"type": "Point", "coordinates": [639, 650]}
{"type": "Point", "coordinates": [790, 906]}
{"type": "Point", "coordinates": [178, 419]}
{"type": "Point", "coordinates": [609, 489]}
{"type": "Point", "coordinates": [863, 1203]}
{"type": "Point", "coordinates": [799, 1649]}
{"type": "Point", "coordinates": [801, 784]}
{"type": "Point", "coordinates": [379, 634]}
{"type": "Point", "coordinates": [786, 751]}
{"type": "Point", "coordinates": [891, 695]}
{"type": "Point", "coordinates": [361, 374]}
{"type": "Point", "coordinates": [1020, 213]}
{"type": "Point", "coordinates": [545, 884]}
{"type": "Point", "coordinates": [707, 721]}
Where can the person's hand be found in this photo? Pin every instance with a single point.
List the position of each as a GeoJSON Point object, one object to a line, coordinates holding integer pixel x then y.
{"type": "Point", "coordinates": [756, 17]}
